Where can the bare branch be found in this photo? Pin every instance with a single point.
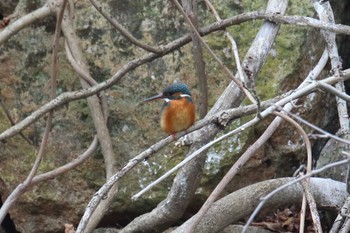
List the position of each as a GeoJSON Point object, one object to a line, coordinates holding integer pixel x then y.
{"type": "Point", "coordinates": [325, 133]}
{"type": "Point", "coordinates": [306, 196]}
{"type": "Point", "coordinates": [44, 11]}
{"type": "Point", "coordinates": [293, 20]}
{"type": "Point", "coordinates": [23, 22]}
{"type": "Point", "coordinates": [325, 13]}
{"type": "Point", "coordinates": [302, 215]}
{"type": "Point", "coordinates": [49, 175]}
{"type": "Point", "coordinates": [335, 91]}
{"type": "Point", "coordinates": [341, 223]}
{"type": "Point", "coordinates": [308, 169]}
{"type": "Point", "coordinates": [233, 42]}
{"type": "Point", "coordinates": [312, 205]}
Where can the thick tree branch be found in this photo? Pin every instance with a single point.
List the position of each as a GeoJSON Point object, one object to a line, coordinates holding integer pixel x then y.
{"type": "Point", "coordinates": [294, 181]}
{"type": "Point", "coordinates": [241, 203]}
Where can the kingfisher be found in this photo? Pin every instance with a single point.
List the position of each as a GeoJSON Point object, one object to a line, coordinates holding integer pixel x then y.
{"type": "Point", "coordinates": [178, 111]}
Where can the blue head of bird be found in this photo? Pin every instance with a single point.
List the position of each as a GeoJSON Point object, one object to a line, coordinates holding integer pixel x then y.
{"type": "Point", "coordinates": [178, 112]}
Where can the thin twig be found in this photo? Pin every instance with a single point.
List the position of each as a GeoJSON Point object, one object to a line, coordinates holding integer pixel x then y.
{"type": "Point", "coordinates": [335, 137]}
{"type": "Point", "coordinates": [302, 215]}
{"type": "Point", "coordinates": [312, 205]}
{"type": "Point", "coordinates": [335, 91]}
{"type": "Point", "coordinates": [69, 166]}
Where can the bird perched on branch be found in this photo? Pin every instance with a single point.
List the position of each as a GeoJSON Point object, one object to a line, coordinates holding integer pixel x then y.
{"type": "Point", "coordinates": [178, 112]}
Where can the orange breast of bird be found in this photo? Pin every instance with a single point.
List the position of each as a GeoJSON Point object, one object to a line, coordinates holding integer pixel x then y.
{"type": "Point", "coordinates": [177, 115]}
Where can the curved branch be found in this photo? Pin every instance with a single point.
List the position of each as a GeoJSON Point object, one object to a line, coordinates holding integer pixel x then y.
{"type": "Point", "coordinates": [50, 175]}
{"type": "Point", "coordinates": [307, 195]}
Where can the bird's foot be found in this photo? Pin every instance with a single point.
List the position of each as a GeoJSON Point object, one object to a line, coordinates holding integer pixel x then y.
{"type": "Point", "coordinates": [183, 141]}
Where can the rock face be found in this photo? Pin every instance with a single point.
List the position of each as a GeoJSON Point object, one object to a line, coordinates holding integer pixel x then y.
{"type": "Point", "coordinates": [24, 87]}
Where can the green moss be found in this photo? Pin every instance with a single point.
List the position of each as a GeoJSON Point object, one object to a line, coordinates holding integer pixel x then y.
{"type": "Point", "coordinates": [4, 123]}
{"type": "Point", "coordinates": [285, 55]}
{"type": "Point", "coordinates": [17, 160]}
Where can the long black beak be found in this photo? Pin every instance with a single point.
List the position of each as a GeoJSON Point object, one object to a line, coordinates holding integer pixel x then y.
{"type": "Point", "coordinates": [156, 97]}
